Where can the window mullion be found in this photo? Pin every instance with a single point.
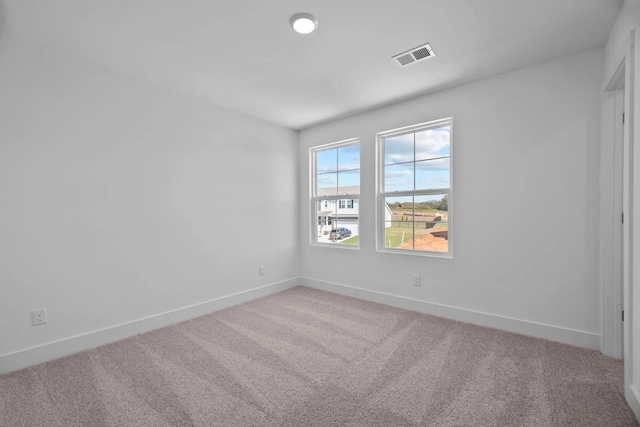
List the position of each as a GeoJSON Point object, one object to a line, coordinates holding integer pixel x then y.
{"type": "Point", "coordinates": [401, 163]}
{"type": "Point", "coordinates": [413, 204]}
{"type": "Point", "coordinates": [413, 223]}
{"type": "Point", "coordinates": [414, 163]}
{"type": "Point", "coordinates": [337, 171]}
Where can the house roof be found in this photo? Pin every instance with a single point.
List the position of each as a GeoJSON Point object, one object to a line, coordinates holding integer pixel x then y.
{"type": "Point", "coordinates": [339, 191]}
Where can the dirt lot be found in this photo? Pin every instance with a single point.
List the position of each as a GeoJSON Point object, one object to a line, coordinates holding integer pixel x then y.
{"type": "Point", "coordinates": [429, 243]}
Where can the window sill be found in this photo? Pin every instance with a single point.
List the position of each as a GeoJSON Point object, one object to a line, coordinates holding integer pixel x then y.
{"type": "Point", "coordinates": [335, 245]}
{"type": "Point", "coordinates": [416, 253]}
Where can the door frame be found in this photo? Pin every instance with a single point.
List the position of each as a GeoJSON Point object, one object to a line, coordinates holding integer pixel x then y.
{"type": "Point", "coordinates": [614, 200]}
{"type": "Point", "coordinates": [627, 74]}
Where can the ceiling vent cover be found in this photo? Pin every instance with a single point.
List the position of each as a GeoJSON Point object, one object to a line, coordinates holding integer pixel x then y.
{"type": "Point", "coordinates": [414, 55]}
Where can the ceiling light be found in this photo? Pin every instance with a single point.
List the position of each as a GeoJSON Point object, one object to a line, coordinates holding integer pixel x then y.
{"type": "Point", "coordinates": [304, 23]}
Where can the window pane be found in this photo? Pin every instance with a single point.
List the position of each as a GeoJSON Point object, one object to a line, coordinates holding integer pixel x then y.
{"type": "Point", "coordinates": [398, 149]}
{"type": "Point", "coordinates": [398, 177]}
{"type": "Point", "coordinates": [349, 157]}
{"type": "Point", "coordinates": [398, 208]}
{"type": "Point", "coordinates": [432, 174]}
{"type": "Point", "coordinates": [349, 182]}
{"type": "Point", "coordinates": [431, 223]}
{"type": "Point", "coordinates": [418, 223]}
{"type": "Point", "coordinates": [326, 160]}
{"type": "Point", "coordinates": [432, 143]}
{"type": "Point", "coordinates": [327, 183]}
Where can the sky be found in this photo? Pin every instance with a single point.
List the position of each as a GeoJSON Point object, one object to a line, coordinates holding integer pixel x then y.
{"type": "Point", "coordinates": [423, 157]}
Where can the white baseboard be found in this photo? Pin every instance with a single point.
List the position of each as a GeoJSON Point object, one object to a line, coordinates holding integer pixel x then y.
{"type": "Point", "coordinates": [53, 350]}
{"type": "Point", "coordinates": [633, 399]}
{"type": "Point", "coordinates": [64, 347]}
{"type": "Point", "coordinates": [524, 327]}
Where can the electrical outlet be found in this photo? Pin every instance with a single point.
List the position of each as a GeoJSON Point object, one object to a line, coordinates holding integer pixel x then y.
{"type": "Point", "coordinates": [417, 280]}
{"type": "Point", "coordinates": [39, 316]}
{"type": "Point", "coordinates": [261, 270]}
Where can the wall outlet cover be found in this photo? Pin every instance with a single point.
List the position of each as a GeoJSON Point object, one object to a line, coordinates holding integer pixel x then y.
{"type": "Point", "coordinates": [39, 316]}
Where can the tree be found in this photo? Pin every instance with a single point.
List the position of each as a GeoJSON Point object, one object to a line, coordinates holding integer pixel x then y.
{"type": "Point", "coordinates": [443, 204]}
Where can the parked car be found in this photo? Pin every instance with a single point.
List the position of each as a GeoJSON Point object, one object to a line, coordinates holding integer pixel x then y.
{"type": "Point", "coordinates": [339, 233]}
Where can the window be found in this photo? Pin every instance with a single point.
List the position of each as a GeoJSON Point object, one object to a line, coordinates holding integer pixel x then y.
{"type": "Point", "coordinates": [346, 204]}
{"type": "Point", "coordinates": [335, 174]}
{"type": "Point", "coordinates": [414, 189]}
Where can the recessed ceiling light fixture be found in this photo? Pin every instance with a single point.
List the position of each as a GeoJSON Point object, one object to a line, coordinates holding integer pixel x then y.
{"type": "Point", "coordinates": [304, 23]}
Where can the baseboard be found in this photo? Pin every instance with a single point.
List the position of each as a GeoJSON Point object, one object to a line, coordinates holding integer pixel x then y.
{"type": "Point", "coordinates": [64, 347]}
{"type": "Point", "coordinates": [633, 399]}
{"type": "Point", "coordinates": [524, 327]}
{"type": "Point", "coordinates": [53, 350]}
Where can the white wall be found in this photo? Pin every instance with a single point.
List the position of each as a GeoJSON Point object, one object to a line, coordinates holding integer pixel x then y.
{"type": "Point", "coordinates": [525, 204]}
{"type": "Point", "coordinates": [122, 200]}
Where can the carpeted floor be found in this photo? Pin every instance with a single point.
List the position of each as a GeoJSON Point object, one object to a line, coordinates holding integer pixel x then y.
{"type": "Point", "coordinates": [304, 357]}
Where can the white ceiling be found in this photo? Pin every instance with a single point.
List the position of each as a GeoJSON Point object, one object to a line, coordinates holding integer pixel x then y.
{"type": "Point", "coordinates": [244, 55]}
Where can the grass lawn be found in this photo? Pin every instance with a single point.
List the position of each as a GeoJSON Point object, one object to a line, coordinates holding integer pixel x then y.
{"type": "Point", "coordinates": [393, 236]}
{"type": "Point", "coordinates": [355, 240]}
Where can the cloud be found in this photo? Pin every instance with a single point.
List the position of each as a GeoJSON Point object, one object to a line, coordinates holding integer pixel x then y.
{"type": "Point", "coordinates": [398, 149]}
{"type": "Point", "coordinates": [429, 143]}
{"type": "Point", "coordinates": [349, 166]}
{"type": "Point", "coordinates": [434, 165]}
{"type": "Point", "coordinates": [391, 174]}
{"type": "Point", "coordinates": [325, 169]}
{"type": "Point", "coordinates": [327, 180]}
{"type": "Point", "coordinates": [432, 143]}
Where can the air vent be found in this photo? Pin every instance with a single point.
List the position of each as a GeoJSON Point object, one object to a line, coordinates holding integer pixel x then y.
{"type": "Point", "coordinates": [414, 55]}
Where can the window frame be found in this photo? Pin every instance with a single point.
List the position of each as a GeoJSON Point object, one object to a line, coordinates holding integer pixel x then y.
{"type": "Point", "coordinates": [381, 195]}
{"type": "Point", "coordinates": [314, 199]}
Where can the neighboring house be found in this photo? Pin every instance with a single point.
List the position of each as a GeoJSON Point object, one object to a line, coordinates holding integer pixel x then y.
{"type": "Point", "coordinates": [341, 212]}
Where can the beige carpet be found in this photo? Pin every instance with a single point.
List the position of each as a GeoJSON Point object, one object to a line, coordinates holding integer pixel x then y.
{"type": "Point", "coordinates": [304, 357]}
